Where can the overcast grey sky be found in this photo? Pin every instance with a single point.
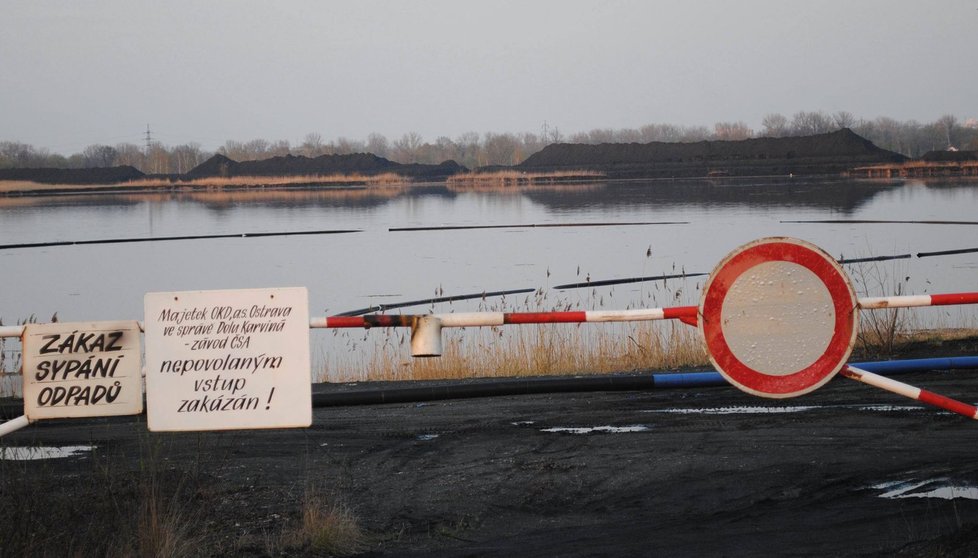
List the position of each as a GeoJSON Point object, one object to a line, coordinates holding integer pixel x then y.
{"type": "Point", "coordinates": [76, 73]}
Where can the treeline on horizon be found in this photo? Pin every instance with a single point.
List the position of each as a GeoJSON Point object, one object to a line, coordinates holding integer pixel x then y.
{"type": "Point", "coordinates": [910, 138]}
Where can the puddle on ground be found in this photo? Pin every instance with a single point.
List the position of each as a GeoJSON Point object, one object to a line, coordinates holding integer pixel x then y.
{"type": "Point", "coordinates": [34, 453]}
{"type": "Point", "coordinates": [755, 410]}
{"type": "Point", "coordinates": [732, 410]}
{"type": "Point", "coordinates": [592, 429]}
{"type": "Point", "coordinates": [426, 437]}
{"type": "Point", "coordinates": [934, 488]}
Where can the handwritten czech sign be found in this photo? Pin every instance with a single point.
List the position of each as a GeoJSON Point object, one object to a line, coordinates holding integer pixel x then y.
{"type": "Point", "coordinates": [225, 360]}
{"type": "Point", "coordinates": [89, 369]}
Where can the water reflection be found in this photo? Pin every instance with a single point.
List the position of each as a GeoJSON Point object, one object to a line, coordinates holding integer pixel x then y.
{"type": "Point", "coordinates": [838, 195]}
{"type": "Point", "coordinates": [841, 196]}
{"type": "Point", "coordinates": [223, 199]}
{"type": "Point", "coordinates": [344, 272]}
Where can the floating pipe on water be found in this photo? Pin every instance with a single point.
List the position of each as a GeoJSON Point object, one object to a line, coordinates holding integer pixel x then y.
{"type": "Point", "coordinates": [169, 238]}
{"type": "Point", "coordinates": [532, 226]}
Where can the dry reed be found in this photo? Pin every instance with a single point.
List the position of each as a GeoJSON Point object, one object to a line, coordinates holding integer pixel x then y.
{"type": "Point", "coordinates": [539, 350]}
{"type": "Point", "coordinates": [216, 183]}
{"type": "Point", "coordinates": [326, 527]}
{"type": "Point", "coordinates": [517, 178]}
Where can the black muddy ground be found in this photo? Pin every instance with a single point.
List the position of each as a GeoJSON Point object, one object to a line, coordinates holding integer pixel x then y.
{"type": "Point", "coordinates": [509, 476]}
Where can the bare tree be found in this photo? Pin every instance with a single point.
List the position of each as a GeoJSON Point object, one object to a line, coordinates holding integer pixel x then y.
{"type": "Point", "coordinates": [99, 155]}
{"type": "Point", "coordinates": [660, 132]}
{"type": "Point", "coordinates": [312, 145]}
{"type": "Point", "coordinates": [345, 146]}
{"type": "Point", "coordinates": [469, 150]}
{"type": "Point", "coordinates": [946, 124]}
{"type": "Point", "coordinates": [811, 123]}
{"type": "Point", "coordinates": [131, 155]}
{"type": "Point", "coordinates": [501, 149]}
{"type": "Point", "coordinates": [694, 133]}
{"type": "Point", "coordinates": [185, 157]}
{"type": "Point", "coordinates": [17, 154]}
{"type": "Point", "coordinates": [378, 145]}
{"type": "Point", "coordinates": [233, 150]}
{"type": "Point", "coordinates": [445, 149]}
{"type": "Point", "coordinates": [775, 125]}
{"type": "Point", "coordinates": [157, 159]}
{"type": "Point", "coordinates": [731, 131]}
{"type": "Point", "coordinates": [256, 149]}
{"type": "Point", "coordinates": [406, 149]}
{"type": "Point", "coordinates": [279, 148]}
{"type": "Point", "coordinates": [844, 119]}
{"type": "Point", "coordinates": [550, 134]}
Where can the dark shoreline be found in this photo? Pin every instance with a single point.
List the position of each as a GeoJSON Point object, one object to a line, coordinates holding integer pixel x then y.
{"type": "Point", "coordinates": [830, 154]}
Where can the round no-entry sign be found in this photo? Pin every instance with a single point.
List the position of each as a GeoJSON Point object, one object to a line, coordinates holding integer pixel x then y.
{"type": "Point", "coordinates": [779, 317]}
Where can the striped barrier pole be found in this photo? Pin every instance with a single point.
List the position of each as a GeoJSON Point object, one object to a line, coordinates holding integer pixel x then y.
{"type": "Point", "coordinates": [13, 425]}
{"type": "Point", "coordinates": [489, 319]}
{"type": "Point", "coordinates": [686, 314]}
{"type": "Point", "coordinates": [875, 303]}
{"type": "Point", "coordinates": [11, 331]}
{"type": "Point", "coordinates": [426, 329]}
{"type": "Point", "coordinates": [907, 390]}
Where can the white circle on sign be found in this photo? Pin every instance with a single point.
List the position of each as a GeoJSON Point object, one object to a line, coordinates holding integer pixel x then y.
{"type": "Point", "coordinates": [778, 318]}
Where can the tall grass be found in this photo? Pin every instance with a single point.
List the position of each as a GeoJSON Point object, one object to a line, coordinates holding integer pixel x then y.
{"type": "Point", "coordinates": [103, 509]}
{"type": "Point", "coordinates": [165, 499]}
{"type": "Point", "coordinates": [326, 526]}
{"type": "Point", "coordinates": [600, 348]}
{"type": "Point", "coordinates": [513, 351]}
{"type": "Point", "coordinates": [880, 331]}
{"type": "Point", "coordinates": [218, 182]}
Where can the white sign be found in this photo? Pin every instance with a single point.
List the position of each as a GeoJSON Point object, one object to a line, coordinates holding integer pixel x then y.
{"type": "Point", "coordinates": [224, 360]}
{"type": "Point", "coordinates": [89, 369]}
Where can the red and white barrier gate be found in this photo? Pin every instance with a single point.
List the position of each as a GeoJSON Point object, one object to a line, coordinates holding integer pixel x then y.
{"type": "Point", "coordinates": [779, 317]}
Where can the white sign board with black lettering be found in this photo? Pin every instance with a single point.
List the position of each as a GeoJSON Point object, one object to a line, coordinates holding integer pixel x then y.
{"type": "Point", "coordinates": [225, 360]}
{"type": "Point", "coordinates": [83, 369]}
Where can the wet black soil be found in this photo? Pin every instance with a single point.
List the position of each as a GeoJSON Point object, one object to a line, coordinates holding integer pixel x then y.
{"type": "Point", "coordinates": [693, 472]}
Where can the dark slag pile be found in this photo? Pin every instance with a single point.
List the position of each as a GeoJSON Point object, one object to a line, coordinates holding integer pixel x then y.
{"type": "Point", "coordinates": [290, 165]}
{"type": "Point", "coordinates": [830, 153]}
{"type": "Point", "coordinates": [103, 175]}
{"type": "Point", "coordinates": [821, 154]}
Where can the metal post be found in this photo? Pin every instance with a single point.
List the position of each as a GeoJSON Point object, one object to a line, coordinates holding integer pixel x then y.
{"type": "Point", "coordinates": [426, 337]}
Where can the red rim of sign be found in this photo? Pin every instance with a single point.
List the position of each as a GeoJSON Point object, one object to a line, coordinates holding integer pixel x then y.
{"type": "Point", "coordinates": [834, 279]}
